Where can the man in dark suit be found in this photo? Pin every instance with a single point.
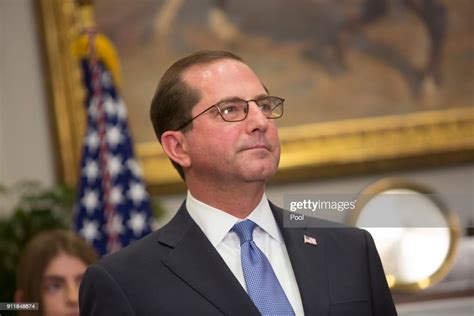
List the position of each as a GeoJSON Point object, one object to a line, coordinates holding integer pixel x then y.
{"type": "Point", "coordinates": [227, 252]}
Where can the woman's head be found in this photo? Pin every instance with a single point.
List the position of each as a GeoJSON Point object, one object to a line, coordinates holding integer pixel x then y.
{"type": "Point", "coordinates": [50, 270]}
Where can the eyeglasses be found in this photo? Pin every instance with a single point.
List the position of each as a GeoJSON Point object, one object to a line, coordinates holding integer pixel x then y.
{"type": "Point", "coordinates": [236, 110]}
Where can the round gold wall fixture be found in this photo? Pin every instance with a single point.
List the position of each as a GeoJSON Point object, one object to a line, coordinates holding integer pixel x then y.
{"type": "Point", "coordinates": [416, 234]}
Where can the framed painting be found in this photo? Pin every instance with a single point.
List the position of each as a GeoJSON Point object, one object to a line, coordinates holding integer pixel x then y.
{"type": "Point", "coordinates": [369, 85]}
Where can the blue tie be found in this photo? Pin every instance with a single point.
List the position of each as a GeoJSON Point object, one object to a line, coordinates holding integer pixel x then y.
{"type": "Point", "coordinates": [262, 284]}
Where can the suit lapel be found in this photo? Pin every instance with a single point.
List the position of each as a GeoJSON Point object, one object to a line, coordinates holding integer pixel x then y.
{"type": "Point", "coordinates": [197, 263]}
{"type": "Point", "coordinates": [308, 265]}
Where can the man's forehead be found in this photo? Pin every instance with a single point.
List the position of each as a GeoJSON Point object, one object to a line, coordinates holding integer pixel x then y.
{"type": "Point", "coordinates": [208, 71]}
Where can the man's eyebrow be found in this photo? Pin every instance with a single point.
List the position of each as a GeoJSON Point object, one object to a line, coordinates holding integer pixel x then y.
{"type": "Point", "coordinates": [229, 99]}
{"type": "Point", "coordinates": [260, 96]}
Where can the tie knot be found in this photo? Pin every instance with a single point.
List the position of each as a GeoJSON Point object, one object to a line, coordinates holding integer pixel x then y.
{"type": "Point", "coordinates": [244, 230]}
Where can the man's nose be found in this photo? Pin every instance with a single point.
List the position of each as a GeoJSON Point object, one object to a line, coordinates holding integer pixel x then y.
{"type": "Point", "coordinates": [256, 119]}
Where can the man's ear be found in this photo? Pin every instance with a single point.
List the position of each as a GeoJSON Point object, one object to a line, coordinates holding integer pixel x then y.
{"type": "Point", "coordinates": [175, 146]}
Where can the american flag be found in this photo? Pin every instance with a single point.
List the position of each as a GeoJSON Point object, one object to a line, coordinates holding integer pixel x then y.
{"type": "Point", "coordinates": [113, 207]}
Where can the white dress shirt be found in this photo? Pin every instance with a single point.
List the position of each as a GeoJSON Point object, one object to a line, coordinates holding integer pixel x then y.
{"type": "Point", "coordinates": [266, 235]}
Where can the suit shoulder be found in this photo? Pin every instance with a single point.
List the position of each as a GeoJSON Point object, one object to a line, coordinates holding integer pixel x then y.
{"type": "Point", "coordinates": [134, 253]}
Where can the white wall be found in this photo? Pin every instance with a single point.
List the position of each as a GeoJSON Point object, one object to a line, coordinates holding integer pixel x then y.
{"type": "Point", "coordinates": [26, 150]}
{"type": "Point", "coordinates": [2, 83]}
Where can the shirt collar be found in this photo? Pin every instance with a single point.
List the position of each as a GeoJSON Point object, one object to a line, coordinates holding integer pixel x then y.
{"type": "Point", "coordinates": [207, 216]}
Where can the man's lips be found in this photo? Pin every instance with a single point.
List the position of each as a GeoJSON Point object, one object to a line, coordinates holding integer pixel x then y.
{"type": "Point", "coordinates": [258, 146]}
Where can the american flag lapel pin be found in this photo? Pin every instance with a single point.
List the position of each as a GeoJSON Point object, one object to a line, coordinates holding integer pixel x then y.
{"type": "Point", "coordinates": [310, 240]}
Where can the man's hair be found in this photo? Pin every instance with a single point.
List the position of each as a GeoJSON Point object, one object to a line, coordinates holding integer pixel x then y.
{"type": "Point", "coordinates": [37, 255]}
{"type": "Point", "coordinates": [174, 99]}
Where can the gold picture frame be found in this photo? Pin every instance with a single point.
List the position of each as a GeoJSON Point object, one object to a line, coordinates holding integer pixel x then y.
{"type": "Point", "coordinates": [310, 151]}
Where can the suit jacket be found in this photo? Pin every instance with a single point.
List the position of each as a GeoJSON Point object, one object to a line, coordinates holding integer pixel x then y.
{"type": "Point", "coordinates": [176, 271]}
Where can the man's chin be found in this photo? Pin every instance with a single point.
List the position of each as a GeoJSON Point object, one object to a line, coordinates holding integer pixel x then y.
{"type": "Point", "coordinates": [260, 173]}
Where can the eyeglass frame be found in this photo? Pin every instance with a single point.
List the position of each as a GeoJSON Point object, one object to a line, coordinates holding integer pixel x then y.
{"type": "Point", "coordinates": [246, 113]}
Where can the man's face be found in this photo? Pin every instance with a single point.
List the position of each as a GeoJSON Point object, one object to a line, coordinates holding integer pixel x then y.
{"type": "Point", "coordinates": [230, 152]}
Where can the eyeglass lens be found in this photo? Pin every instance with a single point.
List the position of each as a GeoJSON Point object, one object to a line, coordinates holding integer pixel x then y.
{"type": "Point", "coordinates": [236, 110]}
